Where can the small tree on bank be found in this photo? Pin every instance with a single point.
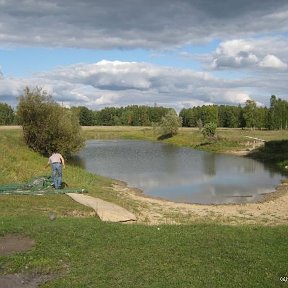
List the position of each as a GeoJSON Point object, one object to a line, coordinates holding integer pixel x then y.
{"type": "Point", "coordinates": [209, 130]}
{"type": "Point", "coordinates": [169, 124]}
{"type": "Point", "coordinates": [46, 125]}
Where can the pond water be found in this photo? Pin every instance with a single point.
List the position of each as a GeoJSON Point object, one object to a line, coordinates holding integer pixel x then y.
{"type": "Point", "coordinates": [180, 174]}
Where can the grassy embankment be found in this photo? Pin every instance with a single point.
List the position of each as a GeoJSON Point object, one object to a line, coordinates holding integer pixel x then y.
{"type": "Point", "coordinates": [84, 252]}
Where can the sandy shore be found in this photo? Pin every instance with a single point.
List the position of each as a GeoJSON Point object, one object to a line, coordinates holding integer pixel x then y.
{"type": "Point", "coordinates": [271, 211]}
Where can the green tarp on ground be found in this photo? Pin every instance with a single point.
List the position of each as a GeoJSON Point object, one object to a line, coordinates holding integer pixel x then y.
{"type": "Point", "coordinates": [37, 186]}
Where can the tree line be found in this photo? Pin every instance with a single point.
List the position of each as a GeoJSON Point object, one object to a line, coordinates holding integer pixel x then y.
{"type": "Point", "coordinates": [132, 115]}
{"type": "Point", "coordinates": [249, 116]}
{"type": "Point", "coordinates": [274, 117]}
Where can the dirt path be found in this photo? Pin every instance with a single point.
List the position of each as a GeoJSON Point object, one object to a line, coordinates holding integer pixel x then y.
{"type": "Point", "coordinates": [272, 211]}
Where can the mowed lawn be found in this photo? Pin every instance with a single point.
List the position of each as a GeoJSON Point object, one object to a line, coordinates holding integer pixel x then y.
{"type": "Point", "coordinates": [81, 251]}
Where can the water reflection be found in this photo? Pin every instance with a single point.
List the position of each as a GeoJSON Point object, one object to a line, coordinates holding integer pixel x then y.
{"type": "Point", "coordinates": [180, 174]}
{"type": "Point", "coordinates": [208, 162]}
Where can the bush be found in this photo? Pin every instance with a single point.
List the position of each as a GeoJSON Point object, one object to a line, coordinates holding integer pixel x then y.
{"type": "Point", "coordinates": [209, 130]}
{"type": "Point", "coordinates": [46, 125]}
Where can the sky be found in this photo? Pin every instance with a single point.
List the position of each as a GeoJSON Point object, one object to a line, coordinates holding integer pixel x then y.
{"type": "Point", "coordinates": [171, 53]}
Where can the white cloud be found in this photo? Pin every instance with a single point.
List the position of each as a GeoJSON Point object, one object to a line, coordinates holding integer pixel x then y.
{"type": "Point", "coordinates": [114, 83]}
{"type": "Point", "coordinates": [271, 61]}
{"type": "Point", "coordinates": [250, 53]}
{"type": "Point", "coordinates": [236, 96]}
{"type": "Point", "coordinates": [234, 47]}
{"type": "Point", "coordinates": [11, 86]}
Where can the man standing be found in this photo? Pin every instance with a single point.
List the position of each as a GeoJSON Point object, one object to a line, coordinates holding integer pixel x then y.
{"type": "Point", "coordinates": [56, 161]}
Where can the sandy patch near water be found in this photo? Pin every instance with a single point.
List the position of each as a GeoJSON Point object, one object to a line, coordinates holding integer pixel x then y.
{"type": "Point", "coordinates": [273, 210]}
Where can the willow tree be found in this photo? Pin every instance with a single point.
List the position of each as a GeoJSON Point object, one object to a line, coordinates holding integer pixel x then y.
{"type": "Point", "coordinates": [46, 125]}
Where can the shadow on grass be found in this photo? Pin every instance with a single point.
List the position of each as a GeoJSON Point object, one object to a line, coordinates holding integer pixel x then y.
{"type": "Point", "coordinates": [203, 144]}
{"type": "Point", "coordinates": [165, 136]}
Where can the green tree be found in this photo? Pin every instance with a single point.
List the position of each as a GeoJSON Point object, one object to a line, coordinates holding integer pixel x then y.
{"type": "Point", "coordinates": [261, 117]}
{"type": "Point", "coordinates": [209, 113]}
{"type": "Point", "coordinates": [249, 114]}
{"type": "Point", "coordinates": [169, 124]}
{"type": "Point", "coordinates": [209, 130]}
{"type": "Point", "coordinates": [228, 116]}
{"type": "Point", "coordinates": [86, 117]}
{"type": "Point", "coordinates": [200, 124]}
{"type": "Point", "coordinates": [46, 125]}
{"type": "Point", "coordinates": [272, 113]}
{"type": "Point", "coordinates": [126, 117]}
{"type": "Point", "coordinates": [278, 113]}
{"type": "Point", "coordinates": [6, 114]}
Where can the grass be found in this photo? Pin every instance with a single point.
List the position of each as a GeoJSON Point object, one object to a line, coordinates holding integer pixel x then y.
{"type": "Point", "coordinates": [82, 251]}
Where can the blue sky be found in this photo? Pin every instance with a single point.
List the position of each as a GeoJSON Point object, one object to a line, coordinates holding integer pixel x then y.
{"type": "Point", "coordinates": [24, 61]}
{"type": "Point", "coordinates": [178, 54]}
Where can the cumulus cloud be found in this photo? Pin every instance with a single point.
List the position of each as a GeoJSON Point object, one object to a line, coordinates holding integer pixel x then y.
{"type": "Point", "coordinates": [234, 53]}
{"type": "Point", "coordinates": [131, 24]}
{"type": "Point", "coordinates": [115, 83]}
{"type": "Point", "coordinates": [11, 89]}
{"type": "Point", "coordinates": [250, 53]}
{"type": "Point", "coordinates": [271, 61]}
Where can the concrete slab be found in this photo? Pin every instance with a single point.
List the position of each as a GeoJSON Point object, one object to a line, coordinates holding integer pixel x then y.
{"type": "Point", "coordinates": [105, 210]}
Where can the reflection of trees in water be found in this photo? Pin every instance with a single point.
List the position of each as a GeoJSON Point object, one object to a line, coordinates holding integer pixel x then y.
{"type": "Point", "coordinates": [209, 167]}
{"type": "Point", "coordinates": [250, 166]}
{"type": "Point", "coordinates": [210, 161]}
{"type": "Point", "coordinates": [170, 157]}
{"type": "Point", "coordinates": [239, 164]}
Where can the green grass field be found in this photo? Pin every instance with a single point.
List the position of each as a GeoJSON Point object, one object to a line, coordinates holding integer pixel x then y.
{"type": "Point", "coordinates": [81, 251]}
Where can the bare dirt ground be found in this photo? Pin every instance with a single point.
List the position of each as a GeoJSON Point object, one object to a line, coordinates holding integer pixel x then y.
{"type": "Point", "coordinates": [10, 244]}
{"type": "Point", "coordinates": [273, 210]}
{"type": "Point", "coordinates": [23, 280]}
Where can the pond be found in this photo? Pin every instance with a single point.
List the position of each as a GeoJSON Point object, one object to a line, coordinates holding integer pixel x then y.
{"type": "Point", "coordinates": [180, 174]}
